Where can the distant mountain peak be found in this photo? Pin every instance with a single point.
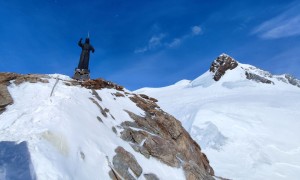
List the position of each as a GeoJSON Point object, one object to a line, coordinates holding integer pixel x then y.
{"type": "Point", "coordinates": [220, 65]}
{"type": "Point", "coordinates": [224, 63]}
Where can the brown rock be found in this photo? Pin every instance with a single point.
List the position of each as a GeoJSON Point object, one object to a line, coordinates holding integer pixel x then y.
{"type": "Point", "coordinates": [133, 136]}
{"type": "Point", "coordinates": [162, 149]}
{"type": "Point", "coordinates": [124, 160]}
{"type": "Point", "coordinates": [150, 176]}
{"type": "Point", "coordinates": [149, 98]}
{"type": "Point", "coordinates": [5, 97]}
{"type": "Point", "coordinates": [100, 84]}
{"type": "Point", "coordinates": [193, 172]}
{"type": "Point", "coordinates": [118, 94]}
{"type": "Point", "coordinates": [166, 139]}
{"type": "Point", "coordinates": [221, 65]}
{"type": "Point", "coordinates": [32, 78]}
{"type": "Point", "coordinates": [6, 77]}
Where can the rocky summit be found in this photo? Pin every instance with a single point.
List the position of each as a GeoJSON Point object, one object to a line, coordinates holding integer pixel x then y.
{"type": "Point", "coordinates": [221, 65]}
{"type": "Point", "coordinates": [94, 129]}
{"type": "Point", "coordinates": [225, 63]}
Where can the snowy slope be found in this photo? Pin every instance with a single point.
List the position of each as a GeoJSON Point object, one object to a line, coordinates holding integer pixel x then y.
{"type": "Point", "coordinates": [248, 129]}
{"type": "Point", "coordinates": [64, 137]}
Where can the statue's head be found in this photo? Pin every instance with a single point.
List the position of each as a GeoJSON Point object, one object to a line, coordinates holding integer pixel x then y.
{"type": "Point", "coordinates": [87, 40]}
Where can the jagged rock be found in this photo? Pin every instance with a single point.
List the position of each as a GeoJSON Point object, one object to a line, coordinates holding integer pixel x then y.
{"type": "Point", "coordinates": [133, 136]}
{"type": "Point", "coordinates": [292, 80]}
{"type": "Point", "coordinates": [149, 98]}
{"type": "Point", "coordinates": [193, 172]}
{"type": "Point", "coordinates": [257, 78]}
{"type": "Point", "coordinates": [163, 137]}
{"type": "Point", "coordinates": [151, 176]}
{"type": "Point", "coordinates": [118, 94]}
{"type": "Point", "coordinates": [32, 78]}
{"type": "Point", "coordinates": [100, 84]}
{"type": "Point", "coordinates": [96, 95]}
{"type": "Point", "coordinates": [6, 77]}
{"type": "Point", "coordinates": [114, 130]}
{"type": "Point", "coordinates": [147, 105]}
{"type": "Point", "coordinates": [124, 160]}
{"type": "Point", "coordinates": [99, 119]}
{"type": "Point", "coordinates": [103, 112]}
{"type": "Point", "coordinates": [162, 149]}
{"type": "Point", "coordinates": [221, 65]}
{"type": "Point", "coordinates": [5, 97]}
{"type": "Point", "coordinates": [141, 150]}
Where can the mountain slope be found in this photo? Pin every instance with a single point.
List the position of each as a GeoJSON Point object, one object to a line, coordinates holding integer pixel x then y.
{"type": "Point", "coordinates": [245, 119]}
{"type": "Point", "coordinates": [52, 127]}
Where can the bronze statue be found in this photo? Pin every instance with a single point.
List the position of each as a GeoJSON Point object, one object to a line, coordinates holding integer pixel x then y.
{"type": "Point", "coordinates": [85, 53]}
{"type": "Point", "coordinates": [82, 72]}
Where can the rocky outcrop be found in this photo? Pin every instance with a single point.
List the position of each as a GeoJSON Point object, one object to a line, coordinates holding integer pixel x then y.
{"type": "Point", "coordinates": [122, 162]}
{"type": "Point", "coordinates": [161, 136]}
{"type": "Point", "coordinates": [258, 78]}
{"type": "Point", "coordinates": [32, 78]}
{"type": "Point", "coordinates": [5, 98]}
{"type": "Point", "coordinates": [292, 80]}
{"type": "Point", "coordinates": [221, 65]}
{"type": "Point", "coordinates": [6, 77]}
{"type": "Point", "coordinates": [99, 84]}
{"type": "Point", "coordinates": [151, 176]}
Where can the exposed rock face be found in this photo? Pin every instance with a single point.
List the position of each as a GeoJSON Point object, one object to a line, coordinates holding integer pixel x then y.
{"type": "Point", "coordinates": [122, 162]}
{"type": "Point", "coordinates": [292, 80]}
{"type": "Point", "coordinates": [221, 65]}
{"type": "Point", "coordinates": [100, 84]}
{"type": "Point", "coordinates": [6, 77]}
{"type": "Point", "coordinates": [5, 98]}
{"type": "Point", "coordinates": [258, 78]}
{"type": "Point", "coordinates": [32, 78]}
{"type": "Point", "coordinates": [194, 172]}
{"type": "Point", "coordinates": [150, 176]}
{"type": "Point", "coordinates": [163, 137]}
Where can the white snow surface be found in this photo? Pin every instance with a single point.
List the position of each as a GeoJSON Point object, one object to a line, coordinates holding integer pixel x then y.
{"type": "Point", "coordinates": [61, 129]}
{"type": "Point", "coordinates": [248, 130]}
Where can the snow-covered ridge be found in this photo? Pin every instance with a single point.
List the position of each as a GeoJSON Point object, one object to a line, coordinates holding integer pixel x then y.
{"type": "Point", "coordinates": [226, 69]}
{"type": "Point", "coordinates": [90, 130]}
{"type": "Point", "coordinates": [252, 126]}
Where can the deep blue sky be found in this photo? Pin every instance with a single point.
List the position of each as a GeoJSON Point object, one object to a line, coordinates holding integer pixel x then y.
{"type": "Point", "coordinates": [148, 43]}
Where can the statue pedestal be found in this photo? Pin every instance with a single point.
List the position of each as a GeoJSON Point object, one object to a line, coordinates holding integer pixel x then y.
{"type": "Point", "coordinates": [81, 74]}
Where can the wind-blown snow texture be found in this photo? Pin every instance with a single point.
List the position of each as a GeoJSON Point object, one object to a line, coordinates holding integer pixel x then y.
{"type": "Point", "coordinates": [248, 129]}
{"type": "Point", "coordinates": [65, 138]}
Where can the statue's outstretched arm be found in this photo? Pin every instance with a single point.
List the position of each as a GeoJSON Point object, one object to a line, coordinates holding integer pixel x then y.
{"type": "Point", "coordinates": [80, 43]}
{"type": "Point", "coordinates": [92, 49]}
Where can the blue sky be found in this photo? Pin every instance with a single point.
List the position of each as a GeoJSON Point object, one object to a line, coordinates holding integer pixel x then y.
{"type": "Point", "coordinates": [153, 43]}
